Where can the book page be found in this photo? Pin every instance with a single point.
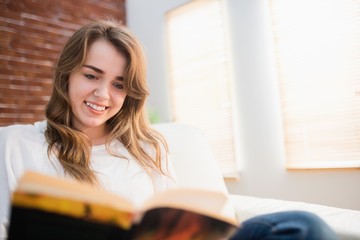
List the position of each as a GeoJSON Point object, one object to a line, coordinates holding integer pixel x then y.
{"type": "Point", "coordinates": [37, 183]}
{"type": "Point", "coordinates": [206, 202]}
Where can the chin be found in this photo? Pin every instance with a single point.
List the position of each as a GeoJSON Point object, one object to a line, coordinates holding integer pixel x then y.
{"type": "Point", "coordinates": [94, 124]}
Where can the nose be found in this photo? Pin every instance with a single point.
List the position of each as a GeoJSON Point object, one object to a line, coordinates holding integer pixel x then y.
{"type": "Point", "coordinates": [102, 91]}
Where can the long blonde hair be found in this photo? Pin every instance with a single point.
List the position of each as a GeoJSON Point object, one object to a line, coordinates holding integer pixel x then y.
{"type": "Point", "coordinates": [130, 125]}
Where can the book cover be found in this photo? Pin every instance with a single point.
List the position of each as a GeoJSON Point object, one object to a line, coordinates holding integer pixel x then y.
{"type": "Point", "coordinates": [45, 207]}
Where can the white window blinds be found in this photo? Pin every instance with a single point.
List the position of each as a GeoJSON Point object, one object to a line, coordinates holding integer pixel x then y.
{"type": "Point", "coordinates": [317, 46]}
{"type": "Point", "coordinates": [199, 75]}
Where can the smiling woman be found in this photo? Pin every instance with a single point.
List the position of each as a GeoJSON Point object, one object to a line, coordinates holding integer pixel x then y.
{"type": "Point", "coordinates": [96, 90]}
{"type": "Point", "coordinates": [96, 128]}
{"type": "Point", "coordinates": [102, 97]}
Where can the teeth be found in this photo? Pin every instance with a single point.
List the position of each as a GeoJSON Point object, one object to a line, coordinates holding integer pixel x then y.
{"type": "Point", "coordinates": [93, 106]}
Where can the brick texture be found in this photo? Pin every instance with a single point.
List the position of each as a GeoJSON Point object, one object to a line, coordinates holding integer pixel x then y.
{"type": "Point", "coordinates": [32, 34]}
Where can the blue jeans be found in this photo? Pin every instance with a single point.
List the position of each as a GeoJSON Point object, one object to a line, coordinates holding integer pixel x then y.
{"type": "Point", "coordinates": [285, 226]}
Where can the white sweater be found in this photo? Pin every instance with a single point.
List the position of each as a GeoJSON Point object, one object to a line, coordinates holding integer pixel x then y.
{"type": "Point", "coordinates": [23, 147]}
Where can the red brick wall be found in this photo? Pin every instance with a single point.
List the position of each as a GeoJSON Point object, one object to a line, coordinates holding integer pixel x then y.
{"type": "Point", "coordinates": [32, 33]}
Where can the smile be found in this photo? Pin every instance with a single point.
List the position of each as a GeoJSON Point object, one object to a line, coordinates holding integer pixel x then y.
{"type": "Point", "coordinates": [96, 107]}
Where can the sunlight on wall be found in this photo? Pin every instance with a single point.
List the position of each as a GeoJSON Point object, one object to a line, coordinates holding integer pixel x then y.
{"type": "Point", "coordinates": [318, 50]}
{"type": "Point", "coordinates": [200, 75]}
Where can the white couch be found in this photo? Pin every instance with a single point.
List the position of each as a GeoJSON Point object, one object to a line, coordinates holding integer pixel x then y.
{"type": "Point", "coordinates": [196, 167]}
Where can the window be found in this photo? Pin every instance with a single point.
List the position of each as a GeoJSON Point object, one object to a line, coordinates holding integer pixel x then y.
{"type": "Point", "coordinates": [317, 46]}
{"type": "Point", "coordinates": [199, 73]}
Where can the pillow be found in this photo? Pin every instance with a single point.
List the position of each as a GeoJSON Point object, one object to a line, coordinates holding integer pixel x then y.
{"type": "Point", "coordinates": [194, 163]}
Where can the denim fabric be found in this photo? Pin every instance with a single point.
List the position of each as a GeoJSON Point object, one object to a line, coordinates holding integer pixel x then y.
{"type": "Point", "coordinates": [285, 226]}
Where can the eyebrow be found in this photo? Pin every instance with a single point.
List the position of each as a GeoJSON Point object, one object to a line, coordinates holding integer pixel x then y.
{"type": "Point", "coordinates": [98, 70]}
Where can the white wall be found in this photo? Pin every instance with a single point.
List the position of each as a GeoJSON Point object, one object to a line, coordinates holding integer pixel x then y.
{"type": "Point", "coordinates": [259, 117]}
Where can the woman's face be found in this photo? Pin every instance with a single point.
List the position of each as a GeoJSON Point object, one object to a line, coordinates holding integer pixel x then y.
{"type": "Point", "coordinates": [96, 89]}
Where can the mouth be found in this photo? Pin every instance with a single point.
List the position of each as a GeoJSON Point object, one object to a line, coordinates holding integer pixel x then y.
{"type": "Point", "coordinates": [96, 107]}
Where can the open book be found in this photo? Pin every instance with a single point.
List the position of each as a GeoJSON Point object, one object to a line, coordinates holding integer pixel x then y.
{"type": "Point", "coordinates": [45, 207]}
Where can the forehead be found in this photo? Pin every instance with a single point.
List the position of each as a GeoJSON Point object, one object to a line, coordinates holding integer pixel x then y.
{"type": "Point", "coordinates": [103, 55]}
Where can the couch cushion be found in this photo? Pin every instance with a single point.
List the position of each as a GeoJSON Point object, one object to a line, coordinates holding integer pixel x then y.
{"type": "Point", "coordinates": [194, 163]}
{"type": "Point", "coordinates": [345, 222]}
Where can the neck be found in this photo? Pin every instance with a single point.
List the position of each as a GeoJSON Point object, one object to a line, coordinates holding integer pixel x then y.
{"type": "Point", "coordinates": [97, 136]}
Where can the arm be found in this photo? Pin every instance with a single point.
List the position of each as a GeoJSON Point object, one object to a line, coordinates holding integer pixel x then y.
{"type": "Point", "coordinates": [162, 182]}
{"type": "Point", "coordinates": [5, 190]}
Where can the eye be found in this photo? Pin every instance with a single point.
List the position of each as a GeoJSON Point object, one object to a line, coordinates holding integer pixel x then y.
{"type": "Point", "coordinates": [90, 76]}
{"type": "Point", "coordinates": [118, 85]}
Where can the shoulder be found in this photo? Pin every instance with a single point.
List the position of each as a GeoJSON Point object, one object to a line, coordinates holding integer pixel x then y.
{"type": "Point", "coordinates": [23, 147]}
{"type": "Point", "coordinates": [22, 132]}
{"type": "Point", "coordinates": [35, 127]}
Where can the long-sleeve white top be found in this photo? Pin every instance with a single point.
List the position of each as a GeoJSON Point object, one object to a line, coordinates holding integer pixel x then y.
{"type": "Point", "coordinates": [24, 147]}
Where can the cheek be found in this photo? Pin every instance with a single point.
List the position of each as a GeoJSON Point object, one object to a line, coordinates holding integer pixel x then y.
{"type": "Point", "coordinates": [72, 86]}
{"type": "Point", "coordinates": [76, 91]}
{"type": "Point", "coordinates": [120, 101]}
{"type": "Point", "coordinates": [74, 95]}
{"type": "Point", "coordinates": [71, 93]}
{"type": "Point", "coordinates": [78, 88]}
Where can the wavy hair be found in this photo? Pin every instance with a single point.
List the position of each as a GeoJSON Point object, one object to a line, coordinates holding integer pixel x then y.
{"type": "Point", "coordinates": [130, 125]}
